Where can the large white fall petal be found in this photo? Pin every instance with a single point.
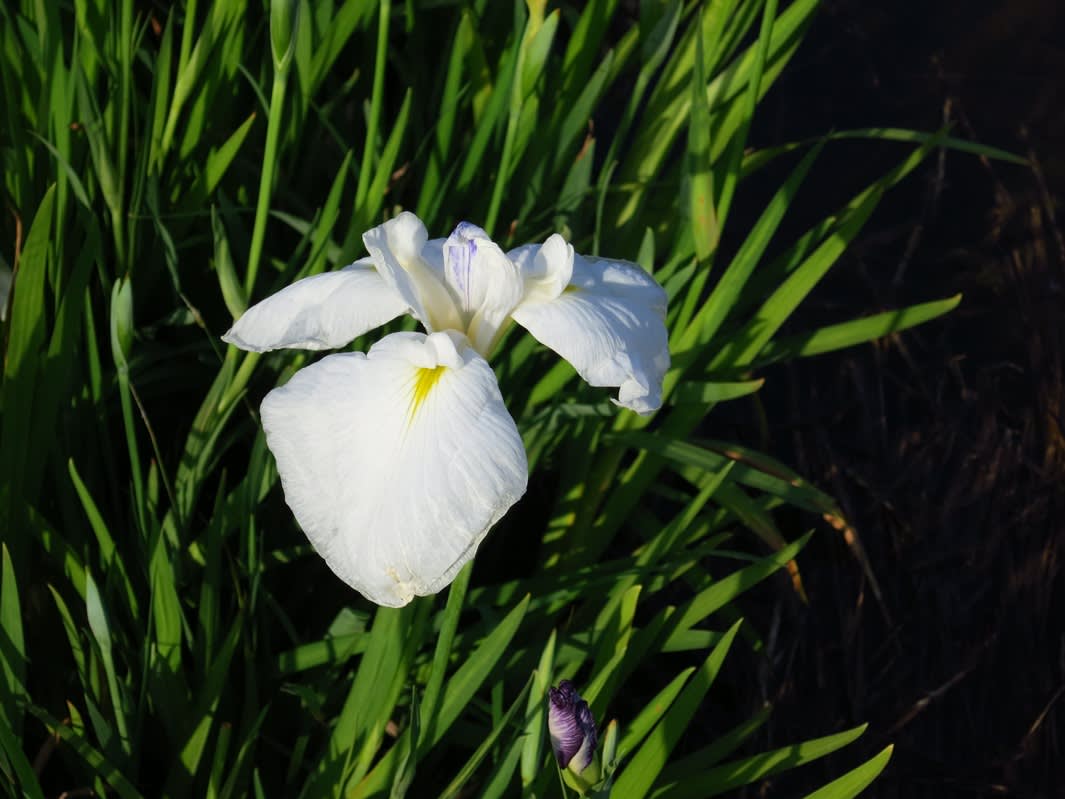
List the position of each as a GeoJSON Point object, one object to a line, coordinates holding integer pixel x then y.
{"type": "Point", "coordinates": [321, 312]}
{"type": "Point", "coordinates": [608, 322]}
{"type": "Point", "coordinates": [396, 463]}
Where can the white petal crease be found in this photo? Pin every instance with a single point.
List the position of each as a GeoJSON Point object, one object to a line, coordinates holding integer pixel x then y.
{"type": "Point", "coordinates": [396, 463]}
{"type": "Point", "coordinates": [320, 312]}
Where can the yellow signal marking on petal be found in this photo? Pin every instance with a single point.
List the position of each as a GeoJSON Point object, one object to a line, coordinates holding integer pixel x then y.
{"type": "Point", "coordinates": [424, 381]}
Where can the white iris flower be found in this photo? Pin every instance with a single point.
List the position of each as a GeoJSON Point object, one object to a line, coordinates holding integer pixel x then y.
{"type": "Point", "coordinates": [397, 462]}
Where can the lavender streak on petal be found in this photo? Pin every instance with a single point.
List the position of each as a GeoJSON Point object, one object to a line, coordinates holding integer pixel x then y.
{"type": "Point", "coordinates": [459, 252]}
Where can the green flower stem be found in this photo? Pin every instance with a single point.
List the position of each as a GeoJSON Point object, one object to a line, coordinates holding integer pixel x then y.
{"type": "Point", "coordinates": [125, 77]}
{"type": "Point", "coordinates": [129, 426]}
{"type": "Point", "coordinates": [270, 158]}
{"type": "Point", "coordinates": [508, 141]}
{"type": "Point", "coordinates": [376, 101]}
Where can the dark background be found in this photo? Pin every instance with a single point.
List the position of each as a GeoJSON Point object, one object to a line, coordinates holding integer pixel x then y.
{"type": "Point", "coordinates": [943, 444]}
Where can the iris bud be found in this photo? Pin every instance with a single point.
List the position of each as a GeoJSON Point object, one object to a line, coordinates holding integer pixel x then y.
{"type": "Point", "coordinates": [573, 735]}
{"type": "Point", "coordinates": [284, 21]}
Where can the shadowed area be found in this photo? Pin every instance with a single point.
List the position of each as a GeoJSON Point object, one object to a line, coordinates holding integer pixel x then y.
{"type": "Point", "coordinates": [943, 444]}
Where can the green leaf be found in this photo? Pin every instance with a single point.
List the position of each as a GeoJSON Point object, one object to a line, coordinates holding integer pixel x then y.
{"type": "Point", "coordinates": [110, 561]}
{"type": "Point", "coordinates": [20, 459]}
{"type": "Point", "coordinates": [232, 290]}
{"type": "Point", "coordinates": [855, 781]}
{"type": "Point", "coordinates": [456, 596]}
{"type": "Point", "coordinates": [709, 393]}
{"type": "Point", "coordinates": [668, 109]}
{"type": "Point", "coordinates": [857, 331]}
{"type": "Point", "coordinates": [97, 763]}
{"type": "Point", "coordinates": [640, 774]}
{"type": "Point", "coordinates": [12, 649]}
{"type": "Point", "coordinates": [73, 636]}
{"type": "Point", "coordinates": [100, 627]}
{"type": "Point", "coordinates": [409, 759]}
{"type": "Point", "coordinates": [695, 763]}
{"type": "Point", "coordinates": [376, 101]}
{"type": "Point", "coordinates": [25, 778]}
{"type": "Point", "coordinates": [759, 158]}
{"type": "Point", "coordinates": [535, 48]}
{"type": "Point", "coordinates": [121, 322]}
{"type": "Point", "coordinates": [637, 729]}
{"type": "Point", "coordinates": [751, 338]}
{"type": "Point", "coordinates": [496, 786]}
{"type": "Point", "coordinates": [218, 162]}
{"type": "Point", "coordinates": [466, 772]}
{"type": "Point", "coordinates": [374, 691]}
{"type": "Point", "coordinates": [469, 677]}
{"type": "Point", "coordinates": [459, 691]}
{"type": "Point", "coordinates": [723, 591]}
{"type": "Point", "coordinates": [375, 197]}
{"type": "Point", "coordinates": [431, 194]}
{"type": "Point", "coordinates": [205, 711]}
{"type": "Point", "coordinates": [219, 24]}
{"type": "Point", "coordinates": [705, 230]}
{"type": "Point", "coordinates": [733, 159]}
{"type": "Point", "coordinates": [166, 681]}
{"type": "Point", "coordinates": [536, 715]}
{"type": "Point", "coordinates": [718, 780]}
{"type": "Point", "coordinates": [583, 45]}
{"type": "Point", "coordinates": [722, 299]}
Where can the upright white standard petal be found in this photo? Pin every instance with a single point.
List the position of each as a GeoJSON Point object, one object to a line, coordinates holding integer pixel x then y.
{"type": "Point", "coordinates": [396, 249]}
{"type": "Point", "coordinates": [321, 312]}
{"type": "Point", "coordinates": [484, 284]}
{"type": "Point", "coordinates": [609, 322]}
{"type": "Point", "coordinates": [546, 269]}
{"type": "Point", "coordinates": [396, 463]}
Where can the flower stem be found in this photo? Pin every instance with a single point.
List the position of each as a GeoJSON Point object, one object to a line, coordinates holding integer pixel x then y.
{"type": "Point", "coordinates": [376, 100]}
{"type": "Point", "coordinates": [270, 158]}
{"type": "Point", "coordinates": [508, 141]}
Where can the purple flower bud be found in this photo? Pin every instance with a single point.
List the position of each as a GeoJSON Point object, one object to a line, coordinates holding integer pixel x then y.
{"type": "Point", "coordinates": [572, 728]}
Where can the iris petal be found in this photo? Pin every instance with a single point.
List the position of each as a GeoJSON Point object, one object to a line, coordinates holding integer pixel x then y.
{"type": "Point", "coordinates": [483, 282]}
{"type": "Point", "coordinates": [396, 248]}
{"type": "Point", "coordinates": [396, 463]}
{"type": "Point", "coordinates": [320, 312]}
{"type": "Point", "coordinates": [609, 322]}
{"type": "Point", "coordinates": [546, 269]}
{"type": "Point", "coordinates": [571, 727]}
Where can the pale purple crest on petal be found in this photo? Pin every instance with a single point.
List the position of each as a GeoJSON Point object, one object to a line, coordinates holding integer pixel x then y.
{"type": "Point", "coordinates": [483, 283]}
{"type": "Point", "coordinates": [460, 250]}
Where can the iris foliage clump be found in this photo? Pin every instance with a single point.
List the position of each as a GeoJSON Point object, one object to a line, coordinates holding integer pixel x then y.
{"type": "Point", "coordinates": [165, 629]}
